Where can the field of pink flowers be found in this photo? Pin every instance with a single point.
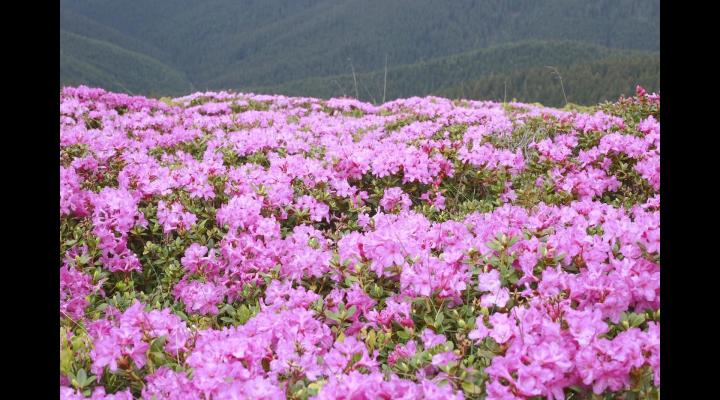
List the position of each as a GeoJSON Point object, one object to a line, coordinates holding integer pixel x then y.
{"type": "Point", "coordinates": [231, 246]}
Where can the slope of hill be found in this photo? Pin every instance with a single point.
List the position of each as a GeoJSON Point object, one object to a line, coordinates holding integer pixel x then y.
{"type": "Point", "coordinates": [458, 75]}
{"type": "Point", "coordinates": [583, 83]}
{"type": "Point", "coordinates": [79, 24]}
{"type": "Point", "coordinates": [95, 62]}
{"type": "Point", "coordinates": [251, 43]}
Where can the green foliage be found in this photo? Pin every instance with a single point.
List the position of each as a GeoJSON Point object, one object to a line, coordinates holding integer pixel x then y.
{"type": "Point", "coordinates": [584, 82]}
{"type": "Point", "coordinates": [99, 63]}
{"type": "Point", "coordinates": [591, 74]}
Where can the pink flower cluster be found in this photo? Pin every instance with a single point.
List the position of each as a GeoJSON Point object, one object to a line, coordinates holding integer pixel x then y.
{"type": "Point", "coordinates": [122, 338]}
{"type": "Point", "coordinates": [114, 214]}
{"type": "Point", "coordinates": [174, 217]}
{"type": "Point", "coordinates": [327, 249]}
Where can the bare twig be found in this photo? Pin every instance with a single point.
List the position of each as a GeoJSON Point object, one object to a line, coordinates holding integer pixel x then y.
{"type": "Point", "coordinates": [352, 67]}
{"type": "Point", "coordinates": [561, 82]}
{"type": "Point", "coordinates": [505, 95]}
{"type": "Point", "coordinates": [369, 94]}
{"type": "Point", "coordinates": [385, 80]}
{"type": "Point", "coordinates": [75, 322]}
{"type": "Point", "coordinates": [340, 87]}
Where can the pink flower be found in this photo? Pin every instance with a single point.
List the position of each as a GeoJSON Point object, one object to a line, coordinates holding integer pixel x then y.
{"type": "Point", "coordinates": [431, 339]}
{"type": "Point", "coordinates": [200, 297]}
{"type": "Point", "coordinates": [499, 298]}
{"type": "Point", "coordinates": [480, 332]}
{"type": "Point", "coordinates": [393, 197]}
{"type": "Point", "coordinates": [174, 217]}
{"type": "Point", "coordinates": [302, 221]}
{"type": "Point", "coordinates": [503, 328]}
{"type": "Point", "coordinates": [585, 325]}
{"type": "Point", "coordinates": [489, 281]}
{"type": "Point", "coordinates": [402, 351]}
{"type": "Point", "coordinates": [444, 358]}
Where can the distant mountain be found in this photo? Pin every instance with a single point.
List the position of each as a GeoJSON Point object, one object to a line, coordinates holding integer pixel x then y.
{"type": "Point", "coordinates": [583, 83]}
{"type": "Point", "coordinates": [81, 25]}
{"type": "Point", "coordinates": [99, 63]}
{"type": "Point", "coordinates": [456, 75]}
{"type": "Point", "coordinates": [230, 44]}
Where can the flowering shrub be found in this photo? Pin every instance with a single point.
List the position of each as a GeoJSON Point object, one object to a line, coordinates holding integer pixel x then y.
{"type": "Point", "coordinates": [224, 245]}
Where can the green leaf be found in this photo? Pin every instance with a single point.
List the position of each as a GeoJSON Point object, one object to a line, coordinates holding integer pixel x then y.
{"type": "Point", "coordinates": [66, 359]}
{"type": "Point", "coordinates": [81, 376]}
{"type": "Point", "coordinates": [355, 358]}
{"type": "Point", "coordinates": [471, 388]}
{"type": "Point", "coordinates": [636, 319]}
{"type": "Point", "coordinates": [428, 320]}
{"type": "Point", "coordinates": [370, 340]}
{"type": "Point", "coordinates": [485, 354]}
{"type": "Point", "coordinates": [81, 380]}
{"type": "Point", "coordinates": [243, 314]}
{"type": "Point", "coordinates": [182, 315]}
{"type": "Point", "coordinates": [439, 319]}
{"type": "Point", "coordinates": [158, 344]}
{"type": "Point", "coordinates": [228, 309]}
{"type": "Point", "coordinates": [495, 245]}
{"type": "Point", "coordinates": [333, 316]}
{"type": "Point", "coordinates": [351, 311]}
{"type": "Point", "coordinates": [77, 343]}
{"type": "Point", "coordinates": [157, 356]}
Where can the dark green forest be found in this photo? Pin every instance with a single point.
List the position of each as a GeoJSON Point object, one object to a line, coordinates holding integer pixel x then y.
{"type": "Point", "coordinates": [590, 74]}
{"type": "Point", "coordinates": [100, 63]}
{"type": "Point", "coordinates": [463, 48]}
{"type": "Point", "coordinates": [584, 83]}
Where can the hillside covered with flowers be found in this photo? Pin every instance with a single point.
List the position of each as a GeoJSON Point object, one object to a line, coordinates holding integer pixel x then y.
{"type": "Point", "coordinates": [229, 246]}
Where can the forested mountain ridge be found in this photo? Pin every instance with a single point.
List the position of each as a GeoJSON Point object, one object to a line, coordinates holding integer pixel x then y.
{"type": "Point", "coordinates": [583, 83]}
{"type": "Point", "coordinates": [99, 63]}
{"type": "Point", "coordinates": [457, 75]}
{"type": "Point", "coordinates": [224, 44]}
